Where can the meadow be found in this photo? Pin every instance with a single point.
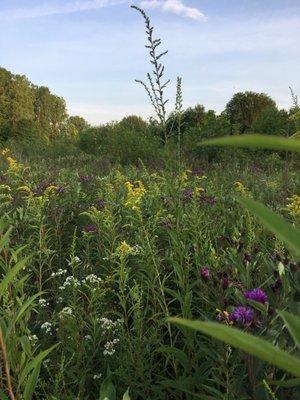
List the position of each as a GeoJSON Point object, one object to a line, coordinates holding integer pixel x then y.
{"type": "Point", "coordinates": [104, 252]}
{"type": "Point", "coordinates": [135, 260]}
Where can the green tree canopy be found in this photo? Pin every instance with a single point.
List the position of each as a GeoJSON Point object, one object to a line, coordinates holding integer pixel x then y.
{"type": "Point", "coordinates": [245, 107]}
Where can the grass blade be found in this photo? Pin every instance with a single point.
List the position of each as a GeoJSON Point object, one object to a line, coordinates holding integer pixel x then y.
{"type": "Point", "coordinates": [246, 342]}
{"type": "Point", "coordinates": [276, 224]}
{"type": "Point", "coordinates": [256, 141]}
{"type": "Point", "coordinates": [292, 323]}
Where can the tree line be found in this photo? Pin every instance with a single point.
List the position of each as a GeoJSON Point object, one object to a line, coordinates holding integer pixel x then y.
{"type": "Point", "coordinates": [28, 110]}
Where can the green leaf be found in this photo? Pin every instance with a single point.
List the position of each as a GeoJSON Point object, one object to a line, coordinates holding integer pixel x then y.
{"type": "Point", "coordinates": [255, 141]}
{"type": "Point", "coordinates": [10, 275]}
{"type": "Point", "coordinates": [126, 395]}
{"type": "Point", "coordinates": [276, 224]}
{"type": "Point", "coordinates": [31, 383]}
{"type": "Point", "coordinates": [287, 384]}
{"type": "Point", "coordinates": [34, 363]}
{"type": "Point", "coordinates": [4, 241]}
{"type": "Point", "coordinates": [107, 390]}
{"type": "Point", "coordinates": [246, 342]}
{"type": "Point", "coordinates": [292, 323]}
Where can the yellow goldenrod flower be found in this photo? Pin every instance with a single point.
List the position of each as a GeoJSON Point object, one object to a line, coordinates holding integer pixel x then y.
{"type": "Point", "coordinates": [124, 249]}
{"type": "Point", "coordinates": [50, 190]}
{"type": "Point", "coordinates": [5, 152]}
{"type": "Point", "coordinates": [239, 187]}
{"type": "Point", "coordinates": [198, 191]}
{"type": "Point", "coordinates": [135, 194]}
{"type": "Point", "coordinates": [294, 206]}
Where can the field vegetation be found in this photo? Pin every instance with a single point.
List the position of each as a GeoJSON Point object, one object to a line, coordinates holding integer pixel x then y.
{"type": "Point", "coordinates": [107, 232]}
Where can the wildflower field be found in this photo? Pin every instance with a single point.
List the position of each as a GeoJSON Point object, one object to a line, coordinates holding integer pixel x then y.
{"type": "Point", "coordinates": [96, 256]}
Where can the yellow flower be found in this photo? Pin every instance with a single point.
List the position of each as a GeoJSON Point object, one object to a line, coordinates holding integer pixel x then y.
{"type": "Point", "coordinates": [5, 152]}
{"type": "Point", "coordinates": [50, 190]}
{"type": "Point", "coordinates": [239, 187]}
{"type": "Point", "coordinates": [135, 194]}
{"type": "Point", "coordinates": [294, 206]}
{"type": "Point", "coordinates": [25, 189]}
{"type": "Point", "coordinates": [124, 249]}
{"type": "Point", "coordinates": [198, 191]}
{"type": "Point", "coordinates": [5, 187]}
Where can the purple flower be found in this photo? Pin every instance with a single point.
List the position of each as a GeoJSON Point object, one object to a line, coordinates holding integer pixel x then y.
{"type": "Point", "coordinates": [242, 315]}
{"type": "Point", "coordinates": [277, 285]}
{"type": "Point", "coordinates": [187, 194]}
{"type": "Point", "coordinates": [167, 224]}
{"type": "Point", "coordinates": [225, 282]}
{"type": "Point", "coordinates": [206, 199]}
{"type": "Point", "coordinates": [205, 273]}
{"type": "Point", "coordinates": [247, 257]}
{"type": "Point", "coordinates": [83, 178]}
{"type": "Point", "coordinates": [100, 204]}
{"type": "Point", "coordinates": [60, 189]}
{"type": "Point", "coordinates": [89, 228]}
{"type": "Point", "coordinates": [256, 295]}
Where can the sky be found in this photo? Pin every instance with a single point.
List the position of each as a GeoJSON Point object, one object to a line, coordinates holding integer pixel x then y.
{"type": "Point", "coordinates": [90, 51]}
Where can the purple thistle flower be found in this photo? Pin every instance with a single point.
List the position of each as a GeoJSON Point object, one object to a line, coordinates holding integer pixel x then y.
{"type": "Point", "coordinates": [205, 273]}
{"type": "Point", "coordinates": [100, 204]}
{"type": "Point", "coordinates": [83, 178]}
{"type": "Point", "coordinates": [60, 189]}
{"type": "Point", "coordinates": [89, 228]}
{"type": "Point", "coordinates": [256, 295]}
{"type": "Point", "coordinates": [242, 315]}
{"type": "Point", "coordinates": [187, 194]}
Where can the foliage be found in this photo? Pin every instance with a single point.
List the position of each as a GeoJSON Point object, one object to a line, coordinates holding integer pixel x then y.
{"type": "Point", "coordinates": [245, 108]}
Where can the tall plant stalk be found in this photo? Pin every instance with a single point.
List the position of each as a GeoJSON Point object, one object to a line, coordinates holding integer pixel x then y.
{"type": "Point", "coordinates": [156, 84]}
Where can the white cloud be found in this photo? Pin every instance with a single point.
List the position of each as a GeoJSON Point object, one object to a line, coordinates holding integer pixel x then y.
{"type": "Point", "coordinates": [175, 7]}
{"type": "Point", "coordinates": [65, 7]}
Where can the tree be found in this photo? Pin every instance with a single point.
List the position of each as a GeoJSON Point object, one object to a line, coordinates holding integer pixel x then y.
{"type": "Point", "coordinates": [133, 122]}
{"type": "Point", "coordinates": [246, 107]}
{"type": "Point", "coordinates": [16, 103]}
{"type": "Point", "coordinates": [77, 124]}
{"type": "Point", "coordinates": [50, 112]}
{"type": "Point", "coordinates": [271, 121]}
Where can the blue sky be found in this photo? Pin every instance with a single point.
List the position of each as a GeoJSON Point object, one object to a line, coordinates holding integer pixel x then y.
{"type": "Point", "coordinates": [90, 51]}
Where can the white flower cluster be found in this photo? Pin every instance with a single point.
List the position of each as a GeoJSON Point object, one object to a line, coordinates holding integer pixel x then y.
{"type": "Point", "coordinates": [108, 325]}
{"type": "Point", "coordinates": [93, 279]}
{"type": "Point", "coordinates": [97, 376]}
{"type": "Point", "coordinates": [46, 362]}
{"type": "Point", "coordinates": [70, 281]}
{"type": "Point", "coordinates": [66, 311]}
{"type": "Point", "coordinates": [74, 260]}
{"type": "Point", "coordinates": [47, 327]}
{"type": "Point", "coordinates": [43, 303]}
{"type": "Point", "coordinates": [109, 347]}
{"type": "Point", "coordinates": [88, 337]}
{"type": "Point", "coordinates": [60, 272]}
{"type": "Point", "coordinates": [33, 338]}
{"type": "Point", "coordinates": [136, 249]}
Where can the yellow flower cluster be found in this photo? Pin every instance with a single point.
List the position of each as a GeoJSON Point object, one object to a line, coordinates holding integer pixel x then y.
{"type": "Point", "coordinates": [13, 165]}
{"type": "Point", "coordinates": [124, 249]}
{"type": "Point", "coordinates": [294, 206]}
{"type": "Point", "coordinates": [135, 194]}
{"type": "Point", "coordinates": [50, 190]}
{"type": "Point", "coordinates": [198, 191]}
{"type": "Point", "coordinates": [239, 187]}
